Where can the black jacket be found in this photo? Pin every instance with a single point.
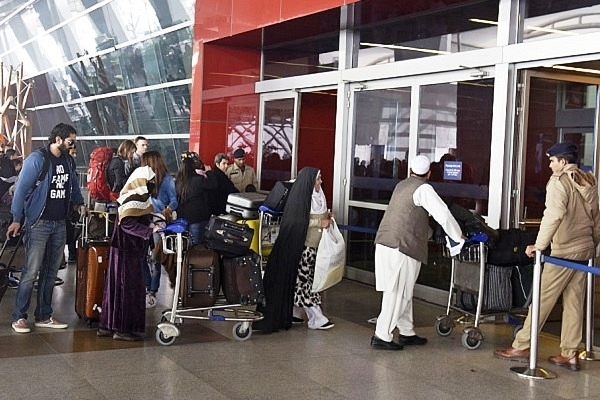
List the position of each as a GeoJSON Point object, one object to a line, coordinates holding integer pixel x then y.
{"type": "Point", "coordinates": [219, 195]}
{"type": "Point", "coordinates": [196, 207]}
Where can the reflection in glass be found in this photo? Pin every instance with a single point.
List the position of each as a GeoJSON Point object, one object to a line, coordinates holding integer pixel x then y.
{"type": "Point", "coordinates": [277, 142]}
{"type": "Point", "coordinates": [553, 19]}
{"type": "Point", "coordinates": [381, 133]}
{"type": "Point", "coordinates": [557, 111]}
{"type": "Point", "coordinates": [396, 31]}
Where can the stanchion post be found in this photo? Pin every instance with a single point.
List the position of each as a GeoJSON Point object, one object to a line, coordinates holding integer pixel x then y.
{"type": "Point", "coordinates": [589, 353]}
{"type": "Point", "coordinates": [533, 371]}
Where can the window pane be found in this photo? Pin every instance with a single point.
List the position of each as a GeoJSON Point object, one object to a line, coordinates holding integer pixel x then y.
{"type": "Point", "coordinates": [277, 142]}
{"type": "Point", "coordinates": [455, 131]}
{"type": "Point", "coordinates": [552, 19]}
{"type": "Point", "coordinates": [395, 31]}
{"type": "Point", "coordinates": [381, 133]}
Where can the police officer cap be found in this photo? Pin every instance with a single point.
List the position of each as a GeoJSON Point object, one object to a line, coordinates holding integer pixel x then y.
{"type": "Point", "coordinates": [420, 165]}
{"type": "Point", "coordinates": [561, 149]}
{"type": "Point", "coordinates": [239, 153]}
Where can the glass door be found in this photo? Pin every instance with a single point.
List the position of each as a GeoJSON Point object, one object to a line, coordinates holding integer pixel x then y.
{"type": "Point", "coordinates": [278, 138]}
{"type": "Point", "coordinates": [555, 108]}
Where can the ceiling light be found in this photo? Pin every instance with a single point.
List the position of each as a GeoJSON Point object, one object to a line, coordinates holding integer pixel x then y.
{"type": "Point", "coordinates": [576, 69]}
{"type": "Point", "coordinates": [397, 47]}
{"type": "Point", "coordinates": [531, 28]}
{"type": "Point", "coordinates": [483, 21]}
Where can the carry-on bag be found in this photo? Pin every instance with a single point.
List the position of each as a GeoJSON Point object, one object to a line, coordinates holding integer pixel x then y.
{"type": "Point", "coordinates": [228, 238]}
{"type": "Point", "coordinates": [277, 197]}
{"type": "Point", "coordinates": [200, 284]}
{"type": "Point", "coordinates": [244, 205]}
{"type": "Point", "coordinates": [92, 263]}
{"type": "Point", "coordinates": [509, 248]}
{"type": "Point", "coordinates": [242, 280]}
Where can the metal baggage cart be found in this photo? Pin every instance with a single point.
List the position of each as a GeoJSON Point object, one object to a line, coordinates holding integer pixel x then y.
{"type": "Point", "coordinates": [176, 241]}
{"type": "Point", "coordinates": [268, 230]}
{"type": "Point", "coordinates": [468, 274]}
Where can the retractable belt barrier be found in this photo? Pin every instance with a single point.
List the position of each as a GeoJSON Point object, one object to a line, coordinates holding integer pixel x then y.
{"type": "Point", "coordinates": [352, 228]}
{"type": "Point", "coordinates": [533, 371]}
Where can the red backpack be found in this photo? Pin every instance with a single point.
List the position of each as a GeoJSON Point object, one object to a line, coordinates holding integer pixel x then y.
{"type": "Point", "coordinates": [97, 183]}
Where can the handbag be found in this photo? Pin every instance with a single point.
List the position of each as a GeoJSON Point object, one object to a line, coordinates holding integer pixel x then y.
{"type": "Point", "coordinates": [331, 259]}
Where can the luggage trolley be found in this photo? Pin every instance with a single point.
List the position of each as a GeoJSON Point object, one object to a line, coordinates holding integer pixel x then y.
{"type": "Point", "coordinates": [176, 241]}
{"type": "Point", "coordinates": [268, 230]}
{"type": "Point", "coordinates": [468, 274]}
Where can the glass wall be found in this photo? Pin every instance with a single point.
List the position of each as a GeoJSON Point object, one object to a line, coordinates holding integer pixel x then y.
{"type": "Point", "coordinates": [114, 70]}
{"type": "Point", "coordinates": [554, 19]}
{"type": "Point", "coordinates": [277, 142]}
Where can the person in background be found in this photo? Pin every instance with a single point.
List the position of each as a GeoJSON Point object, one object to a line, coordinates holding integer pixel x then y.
{"type": "Point", "coordinates": [165, 203]}
{"type": "Point", "coordinates": [121, 165]}
{"type": "Point", "coordinates": [42, 199]}
{"type": "Point", "coordinates": [8, 172]}
{"type": "Point", "coordinates": [193, 194]}
{"type": "Point", "coordinates": [141, 145]}
{"type": "Point", "coordinates": [224, 188]}
{"type": "Point", "coordinates": [290, 267]}
{"type": "Point", "coordinates": [401, 248]}
{"type": "Point", "coordinates": [123, 314]}
{"type": "Point", "coordinates": [72, 221]}
{"type": "Point", "coordinates": [241, 174]}
{"type": "Point", "coordinates": [571, 227]}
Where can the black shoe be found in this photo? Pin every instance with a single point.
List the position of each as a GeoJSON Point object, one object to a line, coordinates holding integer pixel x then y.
{"type": "Point", "coordinates": [128, 337]}
{"type": "Point", "coordinates": [413, 340]}
{"type": "Point", "coordinates": [296, 320]}
{"type": "Point", "coordinates": [104, 333]}
{"type": "Point", "coordinates": [58, 281]}
{"type": "Point", "coordinates": [377, 343]}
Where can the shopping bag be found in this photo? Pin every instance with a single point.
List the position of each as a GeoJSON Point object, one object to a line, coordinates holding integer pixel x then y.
{"type": "Point", "coordinates": [331, 259]}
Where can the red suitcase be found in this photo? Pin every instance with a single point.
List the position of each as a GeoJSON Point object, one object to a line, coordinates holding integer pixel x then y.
{"type": "Point", "coordinates": [242, 280]}
{"type": "Point", "coordinates": [92, 263]}
{"type": "Point", "coordinates": [200, 282]}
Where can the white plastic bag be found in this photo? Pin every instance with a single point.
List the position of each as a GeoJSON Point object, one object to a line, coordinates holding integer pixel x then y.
{"type": "Point", "coordinates": [331, 259]}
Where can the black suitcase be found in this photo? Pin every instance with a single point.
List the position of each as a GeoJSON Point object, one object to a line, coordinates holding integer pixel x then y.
{"type": "Point", "coordinates": [228, 238]}
{"type": "Point", "coordinates": [509, 248]}
{"type": "Point", "coordinates": [277, 197]}
{"type": "Point", "coordinates": [200, 284]}
{"type": "Point", "coordinates": [242, 280]}
{"type": "Point", "coordinates": [497, 293]}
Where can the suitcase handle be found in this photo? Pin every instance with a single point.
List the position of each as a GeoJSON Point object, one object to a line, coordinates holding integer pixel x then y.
{"type": "Point", "coordinates": [210, 291]}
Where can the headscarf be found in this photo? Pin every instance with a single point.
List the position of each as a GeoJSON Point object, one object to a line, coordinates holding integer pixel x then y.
{"type": "Point", "coordinates": [134, 198]}
{"type": "Point", "coordinates": [318, 202]}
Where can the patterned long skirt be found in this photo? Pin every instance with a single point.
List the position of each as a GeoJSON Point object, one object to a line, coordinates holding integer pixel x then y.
{"type": "Point", "coordinates": [304, 296]}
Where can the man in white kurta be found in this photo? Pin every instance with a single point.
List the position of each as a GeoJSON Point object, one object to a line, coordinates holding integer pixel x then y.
{"type": "Point", "coordinates": [401, 248]}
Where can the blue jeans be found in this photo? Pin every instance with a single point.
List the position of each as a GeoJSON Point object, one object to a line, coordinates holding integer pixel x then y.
{"type": "Point", "coordinates": [44, 248]}
{"type": "Point", "coordinates": [197, 231]}
{"type": "Point", "coordinates": [152, 270]}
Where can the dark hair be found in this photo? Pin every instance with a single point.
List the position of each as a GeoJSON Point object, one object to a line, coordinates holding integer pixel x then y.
{"type": "Point", "coordinates": [220, 157]}
{"type": "Point", "coordinates": [61, 130]}
{"type": "Point", "coordinates": [138, 138]}
{"type": "Point", "coordinates": [155, 161]}
{"type": "Point", "coordinates": [186, 172]}
{"type": "Point", "coordinates": [10, 152]}
{"type": "Point", "coordinates": [570, 158]}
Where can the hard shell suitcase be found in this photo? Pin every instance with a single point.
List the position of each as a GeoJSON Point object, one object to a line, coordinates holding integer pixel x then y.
{"type": "Point", "coordinates": [200, 283]}
{"type": "Point", "coordinates": [244, 205]}
{"type": "Point", "coordinates": [277, 197]}
{"type": "Point", "coordinates": [92, 263]}
{"type": "Point", "coordinates": [228, 238]}
{"type": "Point", "coordinates": [242, 280]}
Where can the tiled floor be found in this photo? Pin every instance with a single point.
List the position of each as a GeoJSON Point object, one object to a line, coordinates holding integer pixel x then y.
{"type": "Point", "coordinates": [205, 362]}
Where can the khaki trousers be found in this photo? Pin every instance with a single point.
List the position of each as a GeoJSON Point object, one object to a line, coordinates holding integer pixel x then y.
{"type": "Point", "coordinates": [570, 283]}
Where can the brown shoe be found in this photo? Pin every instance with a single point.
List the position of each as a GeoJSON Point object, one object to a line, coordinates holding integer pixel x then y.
{"type": "Point", "coordinates": [570, 363]}
{"type": "Point", "coordinates": [512, 354]}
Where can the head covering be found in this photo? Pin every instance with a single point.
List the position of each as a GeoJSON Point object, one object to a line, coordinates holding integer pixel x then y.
{"type": "Point", "coordinates": [282, 265]}
{"type": "Point", "coordinates": [134, 198]}
{"type": "Point", "coordinates": [189, 154]}
{"type": "Point", "coordinates": [559, 149]}
{"type": "Point", "coordinates": [318, 203]}
{"type": "Point", "coordinates": [420, 165]}
{"type": "Point", "coordinates": [239, 153]}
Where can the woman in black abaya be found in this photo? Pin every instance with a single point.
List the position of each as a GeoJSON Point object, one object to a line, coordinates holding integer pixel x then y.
{"type": "Point", "coordinates": [304, 216]}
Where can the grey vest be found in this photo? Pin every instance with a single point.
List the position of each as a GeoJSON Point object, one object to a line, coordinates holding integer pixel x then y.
{"type": "Point", "coordinates": [404, 225]}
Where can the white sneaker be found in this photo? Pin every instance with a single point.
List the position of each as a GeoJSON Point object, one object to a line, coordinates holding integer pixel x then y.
{"type": "Point", "coordinates": [20, 326]}
{"type": "Point", "coordinates": [150, 300]}
{"type": "Point", "coordinates": [51, 323]}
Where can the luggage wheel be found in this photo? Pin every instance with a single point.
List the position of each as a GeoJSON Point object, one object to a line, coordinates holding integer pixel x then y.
{"type": "Point", "coordinates": [242, 331]}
